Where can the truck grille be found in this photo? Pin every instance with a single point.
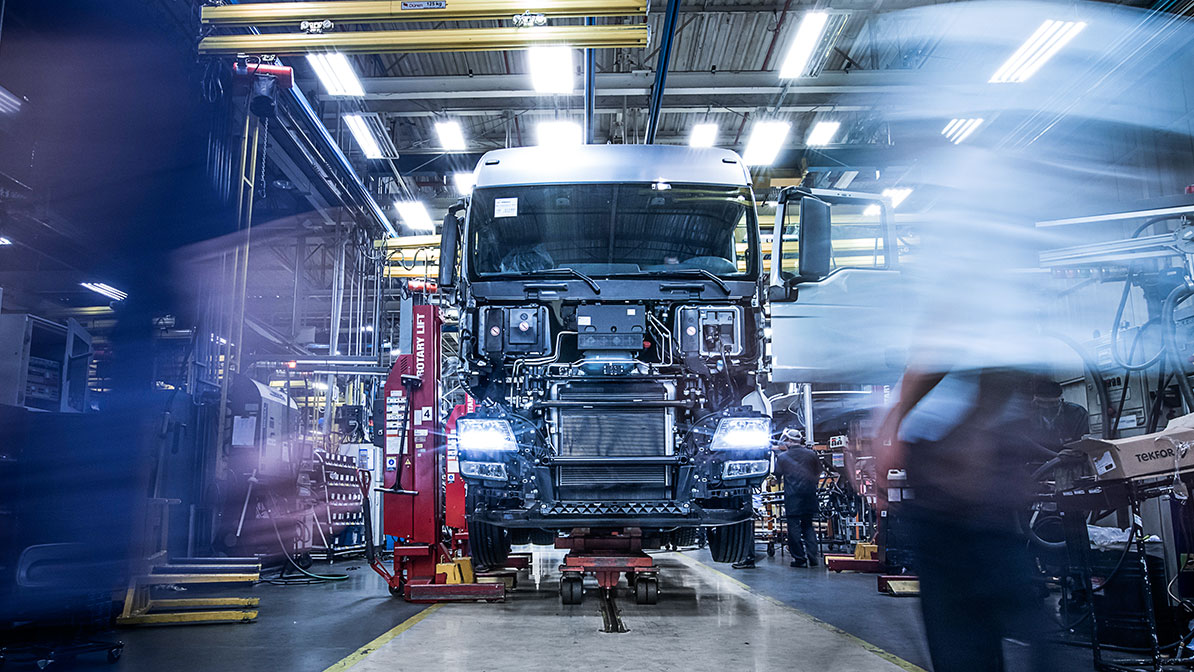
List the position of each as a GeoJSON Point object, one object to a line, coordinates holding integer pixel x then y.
{"type": "Point", "coordinates": [605, 431]}
{"type": "Point", "coordinates": [613, 474]}
{"type": "Point", "coordinates": [612, 432]}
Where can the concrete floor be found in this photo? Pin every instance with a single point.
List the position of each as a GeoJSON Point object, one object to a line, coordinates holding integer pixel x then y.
{"type": "Point", "coordinates": [709, 617]}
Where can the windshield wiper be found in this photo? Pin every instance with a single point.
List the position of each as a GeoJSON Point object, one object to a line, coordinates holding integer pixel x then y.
{"type": "Point", "coordinates": [698, 271]}
{"type": "Point", "coordinates": [564, 270]}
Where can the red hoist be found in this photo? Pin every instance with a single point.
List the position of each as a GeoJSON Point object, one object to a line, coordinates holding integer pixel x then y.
{"type": "Point", "coordinates": [423, 495]}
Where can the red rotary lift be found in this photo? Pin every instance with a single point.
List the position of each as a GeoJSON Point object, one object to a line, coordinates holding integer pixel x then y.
{"type": "Point", "coordinates": [418, 485]}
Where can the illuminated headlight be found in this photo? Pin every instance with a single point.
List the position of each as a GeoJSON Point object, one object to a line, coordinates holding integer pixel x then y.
{"type": "Point", "coordinates": [742, 434]}
{"type": "Point", "coordinates": [484, 434]}
{"type": "Point", "coordinates": [745, 468]}
{"type": "Point", "coordinates": [494, 471]}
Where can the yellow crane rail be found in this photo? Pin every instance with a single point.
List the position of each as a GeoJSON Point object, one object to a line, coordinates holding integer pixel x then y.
{"type": "Point", "coordinates": [389, 11]}
{"type": "Point", "coordinates": [456, 39]}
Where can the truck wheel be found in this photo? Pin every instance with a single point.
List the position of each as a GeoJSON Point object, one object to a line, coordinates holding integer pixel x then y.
{"type": "Point", "coordinates": [489, 544]}
{"type": "Point", "coordinates": [543, 537]}
{"type": "Point", "coordinates": [572, 590]}
{"type": "Point", "coordinates": [685, 536]}
{"type": "Point", "coordinates": [731, 543]}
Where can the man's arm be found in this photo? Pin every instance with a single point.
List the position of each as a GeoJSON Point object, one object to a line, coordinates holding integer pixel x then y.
{"type": "Point", "coordinates": [889, 452]}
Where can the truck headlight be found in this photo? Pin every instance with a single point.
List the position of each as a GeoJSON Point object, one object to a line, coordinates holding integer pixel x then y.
{"type": "Point", "coordinates": [745, 468]}
{"type": "Point", "coordinates": [493, 471]}
{"type": "Point", "coordinates": [742, 434]}
{"type": "Point", "coordinates": [483, 434]}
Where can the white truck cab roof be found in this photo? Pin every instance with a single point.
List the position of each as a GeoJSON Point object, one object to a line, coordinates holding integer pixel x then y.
{"type": "Point", "coordinates": [611, 164]}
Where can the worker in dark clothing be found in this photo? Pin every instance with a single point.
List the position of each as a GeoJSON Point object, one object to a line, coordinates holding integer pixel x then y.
{"type": "Point", "coordinates": [800, 469]}
{"type": "Point", "coordinates": [1055, 422]}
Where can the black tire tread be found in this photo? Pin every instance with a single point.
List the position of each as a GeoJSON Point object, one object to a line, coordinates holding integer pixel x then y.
{"type": "Point", "coordinates": [731, 543]}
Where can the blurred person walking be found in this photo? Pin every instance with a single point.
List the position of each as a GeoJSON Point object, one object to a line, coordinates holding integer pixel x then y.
{"type": "Point", "coordinates": [800, 469]}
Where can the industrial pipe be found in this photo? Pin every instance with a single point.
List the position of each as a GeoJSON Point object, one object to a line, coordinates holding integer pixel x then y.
{"type": "Point", "coordinates": [590, 90]}
{"type": "Point", "coordinates": [394, 41]}
{"type": "Point", "coordinates": [390, 11]}
{"type": "Point", "coordinates": [665, 57]}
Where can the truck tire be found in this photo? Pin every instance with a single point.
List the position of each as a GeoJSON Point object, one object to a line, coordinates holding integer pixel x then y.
{"type": "Point", "coordinates": [543, 537]}
{"type": "Point", "coordinates": [685, 536]}
{"type": "Point", "coordinates": [489, 544]}
{"type": "Point", "coordinates": [731, 543]}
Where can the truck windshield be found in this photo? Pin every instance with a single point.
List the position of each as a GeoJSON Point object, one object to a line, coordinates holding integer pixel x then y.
{"type": "Point", "coordinates": [613, 229]}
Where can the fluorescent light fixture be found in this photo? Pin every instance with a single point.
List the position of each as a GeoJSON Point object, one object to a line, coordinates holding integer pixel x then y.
{"type": "Point", "coordinates": [9, 104]}
{"type": "Point", "coordinates": [764, 143]}
{"type": "Point", "coordinates": [1037, 50]}
{"type": "Point", "coordinates": [464, 182]}
{"type": "Point", "coordinates": [337, 75]}
{"type": "Point", "coordinates": [822, 133]}
{"type": "Point", "coordinates": [414, 215]}
{"type": "Point", "coordinates": [551, 69]}
{"type": "Point", "coordinates": [959, 129]}
{"type": "Point", "coordinates": [5, 241]}
{"type": "Point", "coordinates": [703, 135]}
{"type": "Point", "coordinates": [451, 137]}
{"type": "Point", "coordinates": [106, 290]}
{"type": "Point", "coordinates": [897, 195]}
{"type": "Point", "coordinates": [846, 179]}
{"type": "Point", "coordinates": [360, 131]}
{"type": "Point", "coordinates": [808, 36]}
{"type": "Point", "coordinates": [558, 133]}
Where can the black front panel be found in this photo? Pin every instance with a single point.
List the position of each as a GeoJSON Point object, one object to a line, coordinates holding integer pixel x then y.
{"type": "Point", "coordinates": [613, 481]}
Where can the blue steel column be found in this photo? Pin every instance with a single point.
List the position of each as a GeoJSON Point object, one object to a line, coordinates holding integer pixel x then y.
{"type": "Point", "coordinates": [590, 78]}
{"type": "Point", "coordinates": [665, 57]}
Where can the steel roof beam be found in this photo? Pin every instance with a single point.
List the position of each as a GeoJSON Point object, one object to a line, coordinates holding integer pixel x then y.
{"type": "Point", "coordinates": [639, 84]}
{"type": "Point", "coordinates": [549, 112]}
{"type": "Point", "coordinates": [456, 39]}
{"type": "Point", "coordinates": [390, 11]}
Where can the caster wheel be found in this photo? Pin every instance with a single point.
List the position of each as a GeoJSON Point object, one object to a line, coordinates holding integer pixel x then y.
{"type": "Point", "coordinates": [646, 591]}
{"type": "Point", "coordinates": [115, 653]}
{"type": "Point", "coordinates": [395, 592]}
{"type": "Point", "coordinates": [304, 560]}
{"type": "Point", "coordinates": [572, 590]}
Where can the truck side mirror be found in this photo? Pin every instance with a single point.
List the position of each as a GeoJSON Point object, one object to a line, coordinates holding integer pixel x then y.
{"type": "Point", "coordinates": [815, 242]}
{"type": "Point", "coordinates": [449, 241]}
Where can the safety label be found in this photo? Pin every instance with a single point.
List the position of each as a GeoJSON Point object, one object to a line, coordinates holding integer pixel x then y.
{"type": "Point", "coordinates": [391, 464]}
{"type": "Point", "coordinates": [505, 207]}
{"type": "Point", "coordinates": [1104, 463]}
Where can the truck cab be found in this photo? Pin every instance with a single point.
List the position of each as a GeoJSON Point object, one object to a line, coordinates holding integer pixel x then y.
{"type": "Point", "coordinates": [611, 312]}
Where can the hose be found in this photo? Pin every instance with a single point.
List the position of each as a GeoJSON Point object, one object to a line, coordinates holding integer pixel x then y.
{"type": "Point", "coordinates": [1169, 339]}
{"type": "Point", "coordinates": [1115, 328]}
{"type": "Point", "coordinates": [1123, 394]}
{"type": "Point", "coordinates": [1090, 369]}
{"type": "Point", "coordinates": [281, 579]}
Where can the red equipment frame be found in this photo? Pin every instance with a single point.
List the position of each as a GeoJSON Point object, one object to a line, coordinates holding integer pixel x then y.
{"type": "Point", "coordinates": [416, 475]}
{"type": "Point", "coordinates": [607, 557]}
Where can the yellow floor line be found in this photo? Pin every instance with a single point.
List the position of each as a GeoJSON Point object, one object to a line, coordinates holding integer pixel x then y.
{"type": "Point", "coordinates": [363, 652]}
{"type": "Point", "coordinates": [885, 655]}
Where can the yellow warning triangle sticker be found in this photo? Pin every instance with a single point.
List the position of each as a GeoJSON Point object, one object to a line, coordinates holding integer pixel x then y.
{"type": "Point", "coordinates": [407, 463]}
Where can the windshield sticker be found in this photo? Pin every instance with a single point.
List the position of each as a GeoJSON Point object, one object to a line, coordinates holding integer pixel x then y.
{"type": "Point", "coordinates": [505, 207]}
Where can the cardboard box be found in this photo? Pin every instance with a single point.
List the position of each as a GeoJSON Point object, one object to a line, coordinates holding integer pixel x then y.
{"type": "Point", "coordinates": [1163, 452]}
